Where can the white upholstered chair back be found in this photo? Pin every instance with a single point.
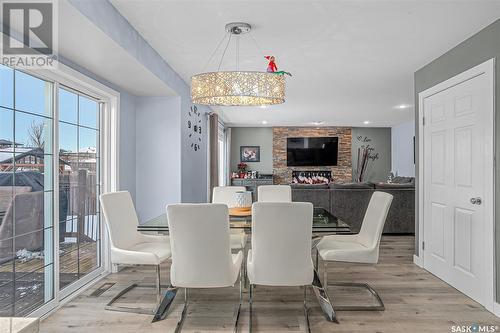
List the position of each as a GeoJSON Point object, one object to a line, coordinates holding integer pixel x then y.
{"type": "Point", "coordinates": [120, 218]}
{"type": "Point", "coordinates": [199, 239]}
{"type": "Point", "coordinates": [226, 194]}
{"type": "Point", "coordinates": [374, 220]}
{"type": "Point", "coordinates": [281, 244]}
{"type": "Point", "coordinates": [274, 193]}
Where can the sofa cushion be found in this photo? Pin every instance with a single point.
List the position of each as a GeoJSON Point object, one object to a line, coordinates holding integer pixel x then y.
{"type": "Point", "coordinates": [310, 186]}
{"type": "Point", "coordinates": [394, 186]}
{"type": "Point", "coordinates": [403, 180]}
{"type": "Point", "coordinates": [351, 185]}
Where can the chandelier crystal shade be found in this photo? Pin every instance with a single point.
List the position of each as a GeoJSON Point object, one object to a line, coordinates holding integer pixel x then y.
{"type": "Point", "coordinates": [237, 88]}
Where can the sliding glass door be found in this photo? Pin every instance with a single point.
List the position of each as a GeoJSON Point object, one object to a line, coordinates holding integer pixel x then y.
{"type": "Point", "coordinates": [79, 229]}
{"type": "Point", "coordinates": [26, 193]}
{"type": "Point", "coordinates": [49, 187]}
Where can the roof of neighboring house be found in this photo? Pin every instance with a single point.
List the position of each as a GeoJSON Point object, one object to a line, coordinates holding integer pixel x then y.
{"type": "Point", "coordinates": [6, 155]}
{"type": "Point", "coordinates": [4, 142]}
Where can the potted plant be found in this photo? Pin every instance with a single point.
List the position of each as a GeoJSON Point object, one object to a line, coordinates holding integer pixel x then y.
{"type": "Point", "coordinates": [242, 169]}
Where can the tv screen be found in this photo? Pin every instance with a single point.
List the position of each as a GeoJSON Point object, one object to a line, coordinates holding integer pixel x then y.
{"type": "Point", "coordinates": [312, 151]}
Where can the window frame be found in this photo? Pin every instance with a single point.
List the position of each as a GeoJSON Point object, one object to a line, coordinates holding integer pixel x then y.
{"type": "Point", "coordinates": [109, 99]}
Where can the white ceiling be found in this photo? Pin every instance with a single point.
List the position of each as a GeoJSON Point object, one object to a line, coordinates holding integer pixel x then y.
{"type": "Point", "coordinates": [87, 46]}
{"type": "Point", "coordinates": [352, 61]}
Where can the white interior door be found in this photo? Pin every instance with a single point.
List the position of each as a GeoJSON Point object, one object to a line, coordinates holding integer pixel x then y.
{"type": "Point", "coordinates": [458, 182]}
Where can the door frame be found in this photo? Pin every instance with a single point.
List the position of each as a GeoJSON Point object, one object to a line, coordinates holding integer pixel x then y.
{"type": "Point", "coordinates": [69, 77]}
{"type": "Point", "coordinates": [486, 68]}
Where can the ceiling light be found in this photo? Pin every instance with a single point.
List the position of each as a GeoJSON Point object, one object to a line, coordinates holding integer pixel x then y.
{"type": "Point", "coordinates": [403, 106]}
{"type": "Point", "coordinates": [237, 88]}
{"type": "Point", "coordinates": [264, 122]}
{"type": "Point", "coordinates": [366, 122]}
{"type": "Point", "coordinates": [316, 123]}
{"type": "Point", "coordinates": [263, 106]}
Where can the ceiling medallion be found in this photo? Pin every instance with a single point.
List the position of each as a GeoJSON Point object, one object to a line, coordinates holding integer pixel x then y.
{"type": "Point", "coordinates": [239, 88]}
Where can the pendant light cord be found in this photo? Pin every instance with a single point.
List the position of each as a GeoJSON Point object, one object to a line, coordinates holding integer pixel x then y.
{"type": "Point", "coordinates": [237, 53]}
{"type": "Point", "coordinates": [224, 53]}
{"type": "Point", "coordinates": [256, 44]}
{"type": "Point", "coordinates": [226, 47]}
{"type": "Point", "coordinates": [215, 51]}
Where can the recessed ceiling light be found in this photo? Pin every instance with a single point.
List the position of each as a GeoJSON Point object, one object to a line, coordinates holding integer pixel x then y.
{"type": "Point", "coordinates": [403, 106]}
{"type": "Point", "coordinates": [264, 122]}
{"type": "Point", "coordinates": [366, 122]}
{"type": "Point", "coordinates": [317, 123]}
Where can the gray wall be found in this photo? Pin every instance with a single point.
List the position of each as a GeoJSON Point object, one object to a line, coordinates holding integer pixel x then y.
{"type": "Point", "coordinates": [381, 140]}
{"type": "Point", "coordinates": [253, 136]}
{"type": "Point", "coordinates": [479, 48]}
{"type": "Point", "coordinates": [403, 163]}
{"type": "Point", "coordinates": [127, 152]}
{"type": "Point", "coordinates": [158, 155]}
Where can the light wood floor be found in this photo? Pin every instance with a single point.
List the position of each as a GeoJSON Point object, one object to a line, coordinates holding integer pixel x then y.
{"type": "Point", "coordinates": [415, 300]}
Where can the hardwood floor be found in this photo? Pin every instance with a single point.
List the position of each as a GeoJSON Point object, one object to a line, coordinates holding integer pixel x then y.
{"type": "Point", "coordinates": [415, 301]}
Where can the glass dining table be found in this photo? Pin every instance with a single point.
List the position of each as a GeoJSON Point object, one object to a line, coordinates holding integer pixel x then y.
{"type": "Point", "coordinates": [324, 223]}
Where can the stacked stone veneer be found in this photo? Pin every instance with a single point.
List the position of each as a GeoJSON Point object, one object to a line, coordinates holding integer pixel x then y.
{"type": "Point", "coordinates": [342, 172]}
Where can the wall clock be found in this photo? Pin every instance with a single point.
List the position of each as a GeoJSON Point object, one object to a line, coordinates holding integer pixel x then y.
{"type": "Point", "coordinates": [194, 128]}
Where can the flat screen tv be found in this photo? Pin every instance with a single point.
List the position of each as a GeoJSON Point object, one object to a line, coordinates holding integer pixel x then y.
{"type": "Point", "coordinates": [312, 151]}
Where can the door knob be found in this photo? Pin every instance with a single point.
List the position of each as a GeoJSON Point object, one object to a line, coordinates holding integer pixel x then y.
{"type": "Point", "coordinates": [476, 201]}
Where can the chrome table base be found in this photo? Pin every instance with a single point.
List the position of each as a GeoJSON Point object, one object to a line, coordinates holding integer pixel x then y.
{"type": "Point", "coordinates": [164, 306]}
{"type": "Point", "coordinates": [323, 299]}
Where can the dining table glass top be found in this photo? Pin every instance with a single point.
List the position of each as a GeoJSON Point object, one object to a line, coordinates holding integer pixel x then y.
{"type": "Point", "coordinates": [323, 222]}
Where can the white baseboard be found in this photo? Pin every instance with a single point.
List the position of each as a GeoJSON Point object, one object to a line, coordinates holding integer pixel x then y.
{"type": "Point", "coordinates": [417, 260]}
{"type": "Point", "coordinates": [496, 309]}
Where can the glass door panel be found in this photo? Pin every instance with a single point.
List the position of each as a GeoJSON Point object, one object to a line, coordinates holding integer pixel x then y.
{"type": "Point", "coordinates": [79, 225]}
{"type": "Point", "coordinates": [26, 193]}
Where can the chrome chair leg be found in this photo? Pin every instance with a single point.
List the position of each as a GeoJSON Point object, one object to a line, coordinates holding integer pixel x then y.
{"type": "Point", "coordinates": [138, 310]}
{"type": "Point", "coordinates": [379, 307]}
{"type": "Point", "coordinates": [316, 261]}
{"type": "Point", "coordinates": [306, 311]}
{"type": "Point", "coordinates": [184, 312]}
{"type": "Point", "coordinates": [250, 303]}
{"type": "Point", "coordinates": [239, 304]}
{"type": "Point", "coordinates": [180, 323]}
{"type": "Point", "coordinates": [244, 268]}
{"type": "Point", "coordinates": [325, 274]}
{"type": "Point", "coordinates": [158, 284]}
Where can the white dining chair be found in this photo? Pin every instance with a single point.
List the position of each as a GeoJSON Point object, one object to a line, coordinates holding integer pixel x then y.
{"type": "Point", "coordinates": [201, 255]}
{"type": "Point", "coordinates": [227, 195]}
{"type": "Point", "coordinates": [274, 193]}
{"type": "Point", "coordinates": [281, 247]}
{"type": "Point", "coordinates": [359, 248]}
{"type": "Point", "coordinates": [130, 247]}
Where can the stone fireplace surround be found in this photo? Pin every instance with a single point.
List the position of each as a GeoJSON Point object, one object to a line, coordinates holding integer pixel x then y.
{"type": "Point", "coordinates": [342, 172]}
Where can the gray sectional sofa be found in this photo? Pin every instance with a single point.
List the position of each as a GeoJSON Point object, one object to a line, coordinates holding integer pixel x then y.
{"type": "Point", "coordinates": [348, 201]}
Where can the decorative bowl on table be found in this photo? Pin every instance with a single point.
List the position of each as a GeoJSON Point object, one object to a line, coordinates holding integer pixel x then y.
{"type": "Point", "coordinates": [243, 199]}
